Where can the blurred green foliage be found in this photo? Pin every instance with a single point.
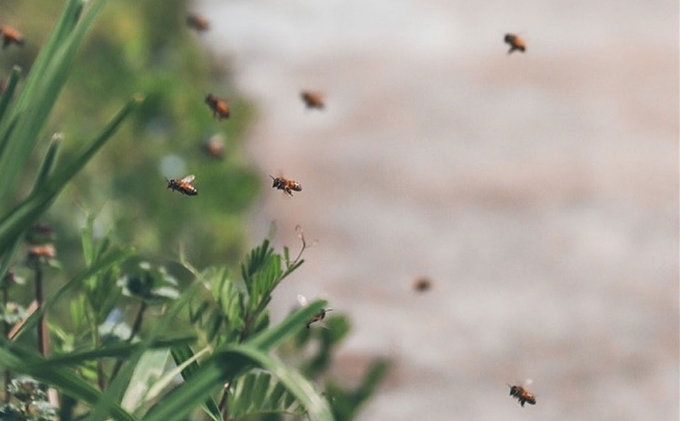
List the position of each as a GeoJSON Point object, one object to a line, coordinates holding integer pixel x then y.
{"type": "Point", "coordinates": [145, 47]}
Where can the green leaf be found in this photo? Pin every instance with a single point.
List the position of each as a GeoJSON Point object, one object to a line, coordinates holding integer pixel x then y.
{"type": "Point", "coordinates": [21, 360]}
{"type": "Point", "coordinates": [181, 354]}
{"type": "Point", "coordinates": [12, 81]}
{"type": "Point", "coordinates": [147, 372]}
{"type": "Point", "coordinates": [112, 258]}
{"type": "Point", "coordinates": [117, 350]}
{"type": "Point", "coordinates": [288, 327]}
{"type": "Point", "coordinates": [115, 389]}
{"type": "Point", "coordinates": [28, 212]}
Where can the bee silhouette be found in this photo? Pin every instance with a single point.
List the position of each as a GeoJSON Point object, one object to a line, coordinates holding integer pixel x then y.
{"type": "Point", "coordinates": [522, 395]}
{"type": "Point", "coordinates": [198, 22]}
{"type": "Point", "coordinates": [184, 186]}
{"type": "Point", "coordinates": [312, 99]}
{"type": "Point", "coordinates": [10, 36]}
{"type": "Point", "coordinates": [318, 316]}
{"type": "Point", "coordinates": [218, 106]}
{"type": "Point", "coordinates": [515, 42]}
{"type": "Point", "coordinates": [288, 186]}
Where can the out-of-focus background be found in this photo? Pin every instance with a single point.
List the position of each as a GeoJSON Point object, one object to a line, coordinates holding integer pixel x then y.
{"type": "Point", "coordinates": [538, 191]}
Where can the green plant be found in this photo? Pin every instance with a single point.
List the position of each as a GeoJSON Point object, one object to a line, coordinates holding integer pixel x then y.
{"type": "Point", "coordinates": [100, 367]}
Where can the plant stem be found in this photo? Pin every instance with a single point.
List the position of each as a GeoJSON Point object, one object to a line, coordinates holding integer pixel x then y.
{"type": "Point", "coordinates": [43, 339]}
{"type": "Point", "coordinates": [224, 408]}
{"type": "Point", "coordinates": [6, 329]}
{"type": "Point", "coordinates": [136, 327]}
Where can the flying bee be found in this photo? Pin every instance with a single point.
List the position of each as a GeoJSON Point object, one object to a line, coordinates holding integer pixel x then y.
{"type": "Point", "coordinates": [522, 395]}
{"type": "Point", "coordinates": [515, 43]}
{"type": "Point", "coordinates": [312, 99]}
{"type": "Point", "coordinates": [184, 186]}
{"type": "Point", "coordinates": [422, 284]}
{"type": "Point", "coordinates": [214, 146]}
{"type": "Point", "coordinates": [218, 106]}
{"type": "Point", "coordinates": [288, 186]}
{"type": "Point", "coordinates": [11, 35]}
{"type": "Point", "coordinates": [318, 316]}
{"type": "Point", "coordinates": [198, 22]}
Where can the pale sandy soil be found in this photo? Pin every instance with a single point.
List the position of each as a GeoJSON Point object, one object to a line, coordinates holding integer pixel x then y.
{"type": "Point", "coordinates": [539, 192]}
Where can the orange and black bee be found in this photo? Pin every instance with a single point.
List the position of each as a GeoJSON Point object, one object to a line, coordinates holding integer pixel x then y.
{"type": "Point", "coordinates": [515, 43]}
{"type": "Point", "coordinates": [45, 251]}
{"type": "Point", "coordinates": [422, 285]}
{"type": "Point", "coordinates": [198, 22]}
{"type": "Point", "coordinates": [184, 186]}
{"type": "Point", "coordinates": [288, 186]}
{"type": "Point", "coordinates": [319, 316]}
{"type": "Point", "coordinates": [214, 146]}
{"type": "Point", "coordinates": [11, 35]}
{"type": "Point", "coordinates": [312, 99]}
{"type": "Point", "coordinates": [522, 395]}
{"type": "Point", "coordinates": [219, 106]}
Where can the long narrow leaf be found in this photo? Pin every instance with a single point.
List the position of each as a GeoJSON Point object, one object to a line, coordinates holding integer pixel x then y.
{"type": "Point", "coordinates": [116, 388]}
{"type": "Point", "coordinates": [288, 327]}
{"type": "Point", "coordinates": [105, 262]}
{"type": "Point", "coordinates": [118, 350]}
{"type": "Point", "coordinates": [19, 360]}
{"type": "Point", "coordinates": [12, 81]}
{"type": "Point", "coordinates": [37, 203]}
{"type": "Point", "coordinates": [182, 354]}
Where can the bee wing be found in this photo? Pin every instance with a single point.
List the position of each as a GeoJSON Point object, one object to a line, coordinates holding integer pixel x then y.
{"type": "Point", "coordinates": [528, 382]}
{"type": "Point", "coordinates": [189, 179]}
{"type": "Point", "coordinates": [302, 300]}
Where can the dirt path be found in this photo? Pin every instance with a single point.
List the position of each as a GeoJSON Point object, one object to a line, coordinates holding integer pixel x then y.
{"type": "Point", "coordinates": [539, 192]}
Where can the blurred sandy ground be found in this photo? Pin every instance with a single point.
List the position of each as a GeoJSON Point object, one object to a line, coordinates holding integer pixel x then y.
{"type": "Point", "coordinates": [539, 192]}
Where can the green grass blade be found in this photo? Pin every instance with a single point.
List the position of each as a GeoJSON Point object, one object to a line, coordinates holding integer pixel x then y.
{"type": "Point", "coordinates": [288, 327]}
{"type": "Point", "coordinates": [149, 368]}
{"type": "Point", "coordinates": [12, 81]}
{"type": "Point", "coordinates": [39, 97]}
{"type": "Point", "coordinates": [49, 161]}
{"type": "Point", "coordinates": [120, 382]}
{"type": "Point", "coordinates": [208, 379]}
{"type": "Point", "coordinates": [38, 202]}
{"type": "Point", "coordinates": [118, 350]}
{"type": "Point", "coordinates": [105, 262]}
{"type": "Point", "coordinates": [181, 354]}
{"type": "Point", "coordinates": [20, 360]}
{"type": "Point", "coordinates": [295, 383]}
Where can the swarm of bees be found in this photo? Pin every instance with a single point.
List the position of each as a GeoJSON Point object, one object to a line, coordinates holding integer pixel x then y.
{"type": "Point", "coordinates": [288, 186]}
{"type": "Point", "coordinates": [198, 22]}
{"type": "Point", "coordinates": [184, 186]}
{"type": "Point", "coordinates": [312, 99]}
{"type": "Point", "coordinates": [11, 36]}
{"type": "Point", "coordinates": [515, 42]}
{"type": "Point", "coordinates": [522, 395]}
{"type": "Point", "coordinates": [218, 106]}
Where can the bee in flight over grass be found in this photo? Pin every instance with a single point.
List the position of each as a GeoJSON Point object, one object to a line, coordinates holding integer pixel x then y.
{"type": "Point", "coordinates": [184, 186]}
{"type": "Point", "coordinates": [313, 99]}
{"type": "Point", "coordinates": [318, 316]}
{"type": "Point", "coordinates": [522, 394]}
{"type": "Point", "coordinates": [198, 22]}
{"type": "Point", "coordinates": [10, 36]}
{"type": "Point", "coordinates": [515, 42]}
{"type": "Point", "coordinates": [288, 186]}
{"type": "Point", "coordinates": [218, 106]}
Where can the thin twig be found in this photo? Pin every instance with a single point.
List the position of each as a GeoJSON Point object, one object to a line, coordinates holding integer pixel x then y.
{"type": "Point", "coordinates": [6, 328]}
{"type": "Point", "coordinates": [224, 407]}
{"type": "Point", "coordinates": [136, 327]}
